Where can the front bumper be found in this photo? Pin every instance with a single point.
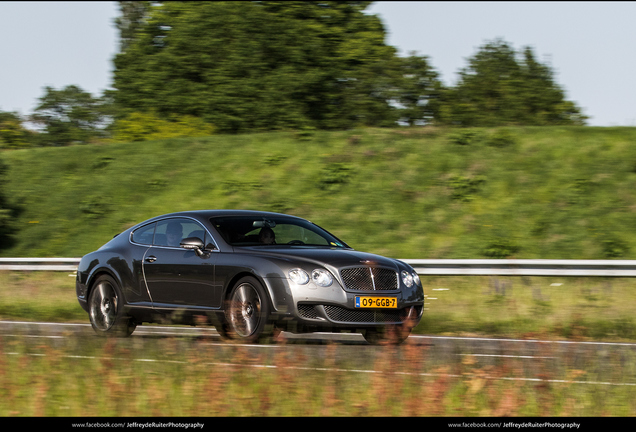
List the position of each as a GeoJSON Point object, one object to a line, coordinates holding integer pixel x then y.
{"type": "Point", "coordinates": [326, 315]}
{"type": "Point", "coordinates": [81, 291]}
{"type": "Point", "coordinates": [335, 308]}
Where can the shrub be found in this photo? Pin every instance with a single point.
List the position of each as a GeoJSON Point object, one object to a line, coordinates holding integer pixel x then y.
{"type": "Point", "coordinates": [500, 248]}
{"type": "Point", "coordinates": [7, 214]}
{"type": "Point", "coordinates": [335, 174]}
{"type": "Point", "coordinates": [464, 188]}
{"type": "Point", "coordinates": [502, 138]}
{"type": "Point", "coordinates": [95, 207]}
{"type": "Point", "coordinates": [12, 132]}
{"type": "Point", "coordinates": [147, 126]}
{"type": "Point", "coordinates": [306, 133]}
{"type": "Point", "coordinates": [614, 248]}
{"type": "Point", "coordinates": [465, 137]}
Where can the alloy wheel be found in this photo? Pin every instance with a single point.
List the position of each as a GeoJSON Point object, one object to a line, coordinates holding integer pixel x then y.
{"type": "Point", "coordinates": [103, 306]}
{"type": "Point", "coordinates": [245, 310]}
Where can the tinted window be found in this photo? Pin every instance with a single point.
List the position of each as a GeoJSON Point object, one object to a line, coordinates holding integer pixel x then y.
{"type": "Point", "coordinates": [170, 232]}
{"type": "Point", "coordinates": [253, 231]}
{"type": "Point", "coordinates": [144, 234]}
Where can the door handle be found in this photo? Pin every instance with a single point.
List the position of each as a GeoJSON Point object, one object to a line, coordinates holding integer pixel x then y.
{"type": "Point", "coordinates": [151, 259]}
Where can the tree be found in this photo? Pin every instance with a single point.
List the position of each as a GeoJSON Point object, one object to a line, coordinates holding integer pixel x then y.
{"type": "Point", "coordinates": [131, 20]}
{"type": "Point", "coordinates": [419, 90]}
{"type": "Point", "coordinates": [259, 65]}
{"type": "Point", "coordinates": [13, 134]}
{"type": "Point", "coordinates": [496, 88]}
{"type": "Point", "coordinates": [71, 115]}
{"type": "Point", "coordinates": [544, 100]}
{"type": "Point", "coordinates": [6, 212]}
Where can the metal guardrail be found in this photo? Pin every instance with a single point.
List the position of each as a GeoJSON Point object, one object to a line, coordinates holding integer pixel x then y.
{"type": "Point", "coordinates": [439, 267]}
{"type": "Point", "coordinates": [514, 267]}
{"type": "Point", "coordinates": [46, 264]}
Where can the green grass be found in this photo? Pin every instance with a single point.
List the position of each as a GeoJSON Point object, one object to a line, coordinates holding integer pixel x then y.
{"type": "Point", "coordinates": [39, 296]}
{"type": "Point", "coordinates": [537, 307]}
{"type": "Point", "coordinates": [554, 192]}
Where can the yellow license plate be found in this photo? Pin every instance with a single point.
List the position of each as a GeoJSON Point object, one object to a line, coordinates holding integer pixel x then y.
{"type": "Point", "coordinates": [376, 302]}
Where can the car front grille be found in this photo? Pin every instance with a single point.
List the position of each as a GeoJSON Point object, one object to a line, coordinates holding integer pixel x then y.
{"type": "Point", "coordinates": [362, 316]}
{"type": "Point", "coordinates": [340, 314]}
{"type": "Point", "coordinates": [369, 279]}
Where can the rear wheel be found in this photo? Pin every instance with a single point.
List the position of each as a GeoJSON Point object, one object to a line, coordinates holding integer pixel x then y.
{"type": "Point", "coordinates": [106, 309]}
{"type": "Point", "coordinates": [247, 311]}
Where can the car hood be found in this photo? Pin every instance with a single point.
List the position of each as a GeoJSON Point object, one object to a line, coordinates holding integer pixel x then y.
{"type": "Point", "coordinates": [323, 256]}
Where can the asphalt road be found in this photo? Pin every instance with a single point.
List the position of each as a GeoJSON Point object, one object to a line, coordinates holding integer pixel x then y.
{"type": "Point", "coordinates": [594, 363]}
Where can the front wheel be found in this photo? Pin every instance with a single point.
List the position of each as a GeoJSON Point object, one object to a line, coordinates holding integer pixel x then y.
{"type": "Point", "coordinates": [393, 335]}
{"type": "Point", "coordinates": [247, 311]}
{"type": "Point", "coordinates": [106, 309]}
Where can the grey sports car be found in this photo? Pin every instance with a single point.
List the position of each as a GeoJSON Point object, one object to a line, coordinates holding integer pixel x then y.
{"type": "Point", "coordinates": [250, 274]}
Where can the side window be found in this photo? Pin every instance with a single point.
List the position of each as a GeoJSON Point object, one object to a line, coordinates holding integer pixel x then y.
{"type": "Point", "coordinates": [144, 234]}
{"type": "Point", "coordinates": [170, 232]}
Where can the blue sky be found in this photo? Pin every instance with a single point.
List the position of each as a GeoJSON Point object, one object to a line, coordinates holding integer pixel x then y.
{"type": "Point", "coordinates": [590, 46]}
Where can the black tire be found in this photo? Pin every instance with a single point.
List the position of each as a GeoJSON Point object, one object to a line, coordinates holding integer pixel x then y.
{"type": "Point", "coordinates": [224, 331]}
{"type": "Point", "coordinates": [106, 311]}
{"type": "Point", "coordinates": [247, 312]}
{"type": "Point", "coordinates": [393, 335]}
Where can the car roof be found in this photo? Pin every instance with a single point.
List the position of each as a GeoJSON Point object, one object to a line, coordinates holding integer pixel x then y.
{"type": "Point", "coordinates": [225, 212]}
{"type": "Point", "coordinates": [207, 214]}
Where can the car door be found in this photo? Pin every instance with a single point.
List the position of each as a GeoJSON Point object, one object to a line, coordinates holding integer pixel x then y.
{"type": "Point", "coordinates": [140, 242]}
{"type": "Point", "coordinates": [178, 277]}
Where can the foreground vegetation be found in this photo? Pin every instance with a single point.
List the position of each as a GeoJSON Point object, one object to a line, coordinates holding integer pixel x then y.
{"type": "Point", "coordinates": [533, 192]}
{"type": "Point", "coordinates": [176, 377]}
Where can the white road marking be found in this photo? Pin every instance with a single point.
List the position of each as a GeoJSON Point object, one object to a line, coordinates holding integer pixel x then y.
{"type": "Point", "coordinates": [506, 356]}
{"type": "Point", "coordinates": [523, 340]}
{"type": "Point", "coordinates": [366, 371]}
{"type": "Point", "coordinates": [35, 336]}
{"type": "Point", "coordinates": [201, 330]}
{"type": "Point", "coordinates": [179, 331]}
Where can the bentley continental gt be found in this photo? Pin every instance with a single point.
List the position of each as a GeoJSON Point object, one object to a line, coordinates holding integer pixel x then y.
{"type": "Point", "coordinates": [250, 274]}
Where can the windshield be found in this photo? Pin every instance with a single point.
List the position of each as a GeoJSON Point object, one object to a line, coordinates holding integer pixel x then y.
{"type": "Point", "coordinates": [273, 230]}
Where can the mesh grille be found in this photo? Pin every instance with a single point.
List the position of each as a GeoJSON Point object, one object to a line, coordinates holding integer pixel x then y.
{"type": "Point", "coordinates": [369, 279]}
{"type": "Point", "coordinates": [307, 311]}
{"type": "Point", "coordinates": [360, 316]}
{"type": "Point", "coordinates": [340, 314]}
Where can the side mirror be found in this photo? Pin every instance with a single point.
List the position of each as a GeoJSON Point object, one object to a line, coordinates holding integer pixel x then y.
{"type": "Point", "coordinates": [196, 244]}
{"type": "Point", "coordinates": [192, 243]}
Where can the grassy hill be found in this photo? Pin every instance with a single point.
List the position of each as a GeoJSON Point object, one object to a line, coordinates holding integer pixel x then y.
{"type": "Point", "coordinates": [532, 192]}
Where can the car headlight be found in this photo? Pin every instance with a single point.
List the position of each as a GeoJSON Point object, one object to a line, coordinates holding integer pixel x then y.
{"type": "Point", "coordinates": [299, 276]}
{"type": "Point", "coordinates": [407, 278]}
{"type": "Point", "coordinates": [321, 277]}
{"type": "Point", "coordinates": [416, 278]}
